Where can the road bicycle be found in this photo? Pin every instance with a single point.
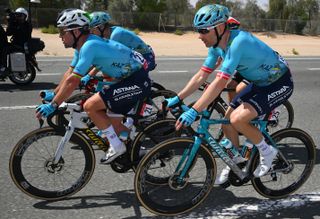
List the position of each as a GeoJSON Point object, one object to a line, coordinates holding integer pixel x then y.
{"type": "Point", "coordinates": [55, 162]}
{"type": "Point", "coordinates": [183, 169]}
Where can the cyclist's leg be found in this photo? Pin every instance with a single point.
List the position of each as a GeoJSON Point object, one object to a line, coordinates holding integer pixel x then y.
{"type": "Point", "coordinates": [233, 84]}
{"type": "Point", "coordinates": [119, 98]}
{"type": "Point", "coordinates": [258, 101]}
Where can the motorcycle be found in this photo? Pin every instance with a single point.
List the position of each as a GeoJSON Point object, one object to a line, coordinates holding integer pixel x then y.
{"type": "Point", "coordinates": [21, 62]}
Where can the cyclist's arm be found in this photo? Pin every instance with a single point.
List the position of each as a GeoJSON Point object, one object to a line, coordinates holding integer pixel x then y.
{"type": "Point", "coordinates": [211, 92]}
{"type": "Point", "coordinates": [71, 82]}
{"type": "Point", "coordinates": [93, 71]}
{"type": "Point", "coordinates": [194, 83]}
{"type": "Point", "coordinates": [197, 80]}
{"type": "Point", "coordinates": [65, 76]}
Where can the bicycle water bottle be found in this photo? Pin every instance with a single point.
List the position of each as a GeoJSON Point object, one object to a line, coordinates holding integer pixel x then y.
{"type": "Point", "coordinates": [246, 149]}
{"type": "Point", "coordinates": [232, 151]}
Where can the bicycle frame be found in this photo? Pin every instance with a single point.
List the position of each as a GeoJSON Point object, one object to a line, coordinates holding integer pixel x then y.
{"type": "Point", "coordinates": [75, 123]}
{"type": "Point", "coordinates": [203, 135]}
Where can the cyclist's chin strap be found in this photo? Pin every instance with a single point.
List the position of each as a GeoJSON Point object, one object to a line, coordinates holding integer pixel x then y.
{"type": "Point", "coordinates": [219, 37]}
{"type": "Point", "coordinates": [76, 39]}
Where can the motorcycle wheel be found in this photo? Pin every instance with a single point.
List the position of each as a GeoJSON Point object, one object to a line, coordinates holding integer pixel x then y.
{"type": "Point", "coordinates": [23, 78]}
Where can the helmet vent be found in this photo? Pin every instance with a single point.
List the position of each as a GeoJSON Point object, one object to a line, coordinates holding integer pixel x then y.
{"type": "Point", "coordinates": [207, 18]}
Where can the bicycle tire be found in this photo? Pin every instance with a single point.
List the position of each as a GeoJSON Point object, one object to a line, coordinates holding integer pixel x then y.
{"type": "Point", "coordinates": [308, 152]}
{"type": "Point", "coordinates": [34, 143]}
{"type": "Point", "coordinates": [152, 135]}
{"type": "Point", "coordinates": [156, 99]}
{"type": "Point", "coordinates": [285, 118]}
{"type": "Point", "coordinates": [169, 206]}
{"type": "Point", "coordinates": [156, 86]}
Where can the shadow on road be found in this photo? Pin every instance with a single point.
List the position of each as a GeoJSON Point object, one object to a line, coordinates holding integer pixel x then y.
{"type": "Point", "coordinates": [10, 87]}
{"type": "Point", "coordinates": [220, 203]}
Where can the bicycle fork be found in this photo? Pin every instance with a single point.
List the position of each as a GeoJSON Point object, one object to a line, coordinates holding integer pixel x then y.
{"type": "Point", "coordinates": [75, 122]}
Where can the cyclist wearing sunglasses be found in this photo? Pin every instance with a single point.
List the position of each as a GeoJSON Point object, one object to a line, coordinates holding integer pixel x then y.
{"type": "Point", "coordinates": [113, 59]}
{"type": "Point", "coordinates": [269, 75]}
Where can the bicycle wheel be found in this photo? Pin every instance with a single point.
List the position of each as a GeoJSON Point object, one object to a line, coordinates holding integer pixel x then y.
{"type": "Point", "coordinates": [290, 174]}
{"type": "Point", "coordinates": [154, 134]}
{"type": "Point", "coordinates": [174, 197]}
{"type": "Point", "coordinates": [281, 118]}
{"type": "Point", "coordinates": [32, 169]}
{"type": "Point", "coordinates": [156, 99]}
{"type": "Point", "coordinates": [156, 86]}
{"type": "Point", "coordinates": [62, 120]}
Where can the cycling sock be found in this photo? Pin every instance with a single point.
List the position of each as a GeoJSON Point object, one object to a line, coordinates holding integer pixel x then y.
{"type": "Point", "coordinates": [111, 136]}
{"type": "Point", "coordinates": [263, 147]}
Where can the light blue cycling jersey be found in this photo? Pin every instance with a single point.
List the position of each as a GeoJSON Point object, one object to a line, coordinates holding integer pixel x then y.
{"type": "Point", "coordinates": [248, 55]}
{"type": "Point", "coordinates": [125, 37]}
{"type": "Point", "coordinates": [110, 57]}
{"type": "Point", "coordinates": [129, 39]}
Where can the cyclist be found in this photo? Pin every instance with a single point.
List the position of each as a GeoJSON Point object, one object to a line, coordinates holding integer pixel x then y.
{"type": "Point", "coordinates": [126, 66]}
{"type": "Point", "coordinates": [100, 26]}
{"type": "Point", "coordinates": [270, 81]}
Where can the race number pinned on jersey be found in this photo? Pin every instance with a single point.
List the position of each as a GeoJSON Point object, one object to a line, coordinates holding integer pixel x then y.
{"type": "Point", "coordinates": [146, 110]}
{"type": "Point", "coordinates": [139, 58]}
{"type": "Point", "coordinates": [281, 59]}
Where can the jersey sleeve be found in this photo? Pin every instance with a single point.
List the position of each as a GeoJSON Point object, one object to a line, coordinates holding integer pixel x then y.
{"type": "Point", "coordinates": [75, 59]}
{"type": "Point", "coordinates": [86, 57]}
{"type": "Point", "coordinates": [232, 58]}
{"type": "Point", "coordinates": [210, 62]}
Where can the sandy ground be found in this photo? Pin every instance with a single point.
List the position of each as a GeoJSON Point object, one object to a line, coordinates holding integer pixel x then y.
{"type": "Point", "coordinates": [169, 44]}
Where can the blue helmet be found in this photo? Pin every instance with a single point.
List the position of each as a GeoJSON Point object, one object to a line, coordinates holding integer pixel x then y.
{"type": "Point", "coordinates": [98, 18]}
{"type": "Point", "coordinates": [210, 15]}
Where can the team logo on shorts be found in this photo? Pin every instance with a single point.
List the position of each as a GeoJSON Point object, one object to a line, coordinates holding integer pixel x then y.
{"type": "Point", "coordinates": [278, 92]}
{"type": "Point", "coordinates": [125, 89]}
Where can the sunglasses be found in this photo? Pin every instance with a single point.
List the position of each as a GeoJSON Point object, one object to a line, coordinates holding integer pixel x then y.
{"type": "Point", "coordinates": [206, 30]}
{"type": "Point", "coordinates": [62, 32]}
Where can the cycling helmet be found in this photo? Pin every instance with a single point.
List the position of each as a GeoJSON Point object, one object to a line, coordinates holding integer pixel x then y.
{"type": "Point", "coordinates": [22, 11]}
{"type": "Point", "coordinates": [210, 16]}
{"type": "Point", "coordinates": [233, 23]}
{"type": "Point", "coordinates": [98, 18]}
{"type": "Point", "coordinates": [73, 19]}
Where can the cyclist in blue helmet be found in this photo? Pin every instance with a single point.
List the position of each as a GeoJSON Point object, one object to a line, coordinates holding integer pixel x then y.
{"type": "Point", "coordinates": [100, 25]}
{"type": "Point", "coordinates": [131, 80]}
{"type": "Point", "coordinates": [270, 79]}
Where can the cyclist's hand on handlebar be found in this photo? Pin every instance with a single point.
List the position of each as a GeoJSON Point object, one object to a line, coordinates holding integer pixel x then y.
{"type": "Point", "coordinates": [44, 110]}
{"type": "Point", "coordinates": [85, 79]}
{"type": "Point", "coordinates": [187, 118]}
{"type": "Point", "coordinates": [172, 102]}
{"type": "Point", "coordinates": [47, 95]}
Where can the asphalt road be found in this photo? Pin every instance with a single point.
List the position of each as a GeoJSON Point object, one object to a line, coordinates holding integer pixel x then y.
{"type": "Point", "coordinates": [111, 195]}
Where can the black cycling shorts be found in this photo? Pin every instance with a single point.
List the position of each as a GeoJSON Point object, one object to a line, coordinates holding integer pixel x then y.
{"type": "Point", "coordinates": [265, 99]}
{"type": "Point", "coordinates": [123, 96]}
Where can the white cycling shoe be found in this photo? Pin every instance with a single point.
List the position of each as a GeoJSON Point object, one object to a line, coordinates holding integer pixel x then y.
{"type": "Point", "coordinates": [265, 163]}
{"type": "Point", "coordinates": [113, 153]}
{"type": "Point", "coordinates": [223, 177]}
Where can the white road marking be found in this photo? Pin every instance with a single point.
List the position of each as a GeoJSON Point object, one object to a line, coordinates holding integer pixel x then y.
{"type": "Point", "coordinates": [314, 69]}
{"type": "Point", "coordinates": [17, 107]}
